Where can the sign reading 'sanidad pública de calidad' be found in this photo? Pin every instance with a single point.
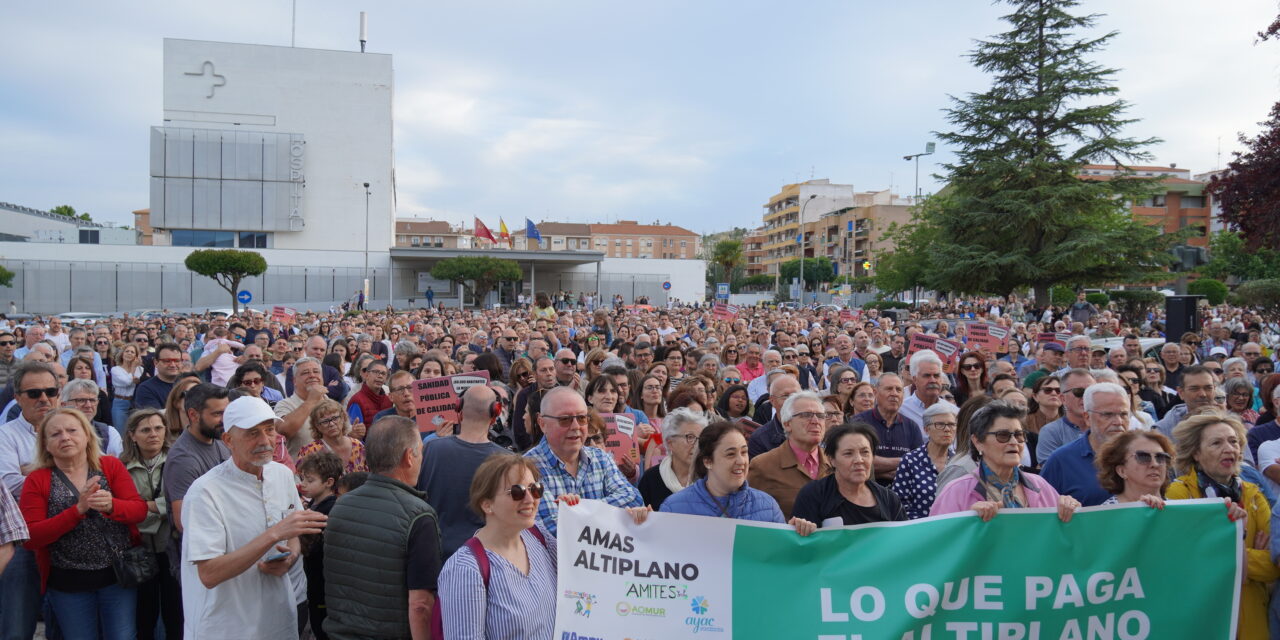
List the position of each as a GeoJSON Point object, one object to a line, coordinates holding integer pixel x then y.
{"type": "Point", "coordinates": [1116, 573]}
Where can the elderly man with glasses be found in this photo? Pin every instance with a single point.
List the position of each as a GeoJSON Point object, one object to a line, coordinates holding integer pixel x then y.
{"type": "Point", "coordinates": [1071, 469]}
{"type": "Point", "coordinates": [567, 466]}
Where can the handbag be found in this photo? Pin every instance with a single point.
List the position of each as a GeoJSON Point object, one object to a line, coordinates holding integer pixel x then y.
{"type": "Point", "coordinates": [134, 565]}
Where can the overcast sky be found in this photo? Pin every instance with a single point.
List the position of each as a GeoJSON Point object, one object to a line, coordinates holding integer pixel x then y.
{"type": "Point", "coordinates": [693, 113]}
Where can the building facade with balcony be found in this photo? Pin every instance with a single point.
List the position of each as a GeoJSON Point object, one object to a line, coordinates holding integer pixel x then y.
{"type": "Point", "coordinates": [753, 253]}
{"type": "Point", "coordinates": [1180, 202]}
{"type": "Point", "coordinates": [437, 234]}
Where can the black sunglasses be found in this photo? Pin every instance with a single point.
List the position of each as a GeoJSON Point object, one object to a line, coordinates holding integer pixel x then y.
{"type": "Point", "coordinates": [1003, 436]}
{"type": "Point", "coordinates": [34, 394]}
{"type": "Point", "coordinates": [517, 491]}
{"type": "Point", "coordinates": [1145, 457]}
{"type": "Point", "coordinates": [568, 361]}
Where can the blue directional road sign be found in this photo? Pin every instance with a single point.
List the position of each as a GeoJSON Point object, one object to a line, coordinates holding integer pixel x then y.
{"type": "Point", "coordinates": [244, 296]}
{"type": "Point", "coordinates": [666, 285]}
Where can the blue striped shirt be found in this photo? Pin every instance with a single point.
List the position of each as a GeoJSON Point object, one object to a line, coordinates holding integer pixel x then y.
{"type": "Point", "coordinates": [516, 606]}
{"type": "Point", "coordinates": [598, 478]}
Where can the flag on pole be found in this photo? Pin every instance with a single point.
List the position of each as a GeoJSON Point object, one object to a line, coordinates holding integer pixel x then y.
{"type": "Point", "coordinates": [503, 233]}
{"type": "Point", "coordinates": [531, 230]}
{"type": "Point", "coordinates": [483, 231]}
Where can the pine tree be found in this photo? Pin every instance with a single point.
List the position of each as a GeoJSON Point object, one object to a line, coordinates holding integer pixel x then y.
{"type": "Point", "coordinates": [1016, 211]}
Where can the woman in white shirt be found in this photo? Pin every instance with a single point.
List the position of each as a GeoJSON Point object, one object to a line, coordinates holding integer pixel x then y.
{"type": "Point", "coordinates": [125, 377]}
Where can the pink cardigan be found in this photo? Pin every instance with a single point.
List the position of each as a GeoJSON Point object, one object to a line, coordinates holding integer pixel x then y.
{"type": "Point", "coordinates": [960, 494]}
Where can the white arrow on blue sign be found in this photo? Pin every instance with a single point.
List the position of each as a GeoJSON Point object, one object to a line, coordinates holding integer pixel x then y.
{"type": "Point", "coordinates": [244, 296]}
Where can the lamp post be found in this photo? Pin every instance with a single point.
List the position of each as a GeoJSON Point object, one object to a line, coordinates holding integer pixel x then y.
{"type": "Point", "coordinates": [366, 241]}
{"type": "Point", "coordinates": [802, 206]}
{"type": "Point", "coordinates": [928, 151]}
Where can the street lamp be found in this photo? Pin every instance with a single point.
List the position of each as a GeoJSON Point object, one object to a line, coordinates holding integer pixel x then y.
{"type": "Point", "coordinates": [928, 151]}
{"type": "Point", "coordinates": [366, 241]}
{"type": "Point", "coordinates": [802, 206]}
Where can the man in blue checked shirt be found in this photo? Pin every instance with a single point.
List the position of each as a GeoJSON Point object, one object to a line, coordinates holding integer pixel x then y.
{"type": "Point", "coordinates": [569, 467]}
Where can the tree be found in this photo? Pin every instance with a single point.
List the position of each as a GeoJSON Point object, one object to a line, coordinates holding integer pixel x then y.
{"type": "Point", "coordinates": [1249, 189]}
{"type": "Point", "coordinates": [1134, 304]}
{"type": "Point", "coordinates": [815, 270]}
{"type": "Point", "coordinates": [70, 212]}
{"type": "Point", "coordinates": [484, 273]}
{"type": "Point", "coordinates": [758, 281]}
{"type": "Point", "coordinates": [227, 267]}
{"type": "Point", "coordinates": [728, 254]}
{"type": "Point", "coordinates": [1229, 257]}
{"type": "Point", "coordinates": [1261, 293]}
{"type": "Point", "coordinates": [1212, 290]}
{"type": "Point", "coordinates": [6, 277]}
{"type": "Point", "coordinates": [1017, 211]}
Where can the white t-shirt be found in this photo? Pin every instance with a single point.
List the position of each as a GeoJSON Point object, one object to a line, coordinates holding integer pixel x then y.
{"type": "Point", "coordinates": [224, 510]}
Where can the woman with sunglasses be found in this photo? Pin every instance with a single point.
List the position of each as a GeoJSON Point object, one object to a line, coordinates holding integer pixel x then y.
{"type": "Point", "coordinates": [973, 376]}
{"type": "Point", "coordinates": [1045, 404]}
{"type": "Point", "coordinates": [1154, 389]}
{"type": "Point", "coordinates": [720, 488]}
{"type": "Point", "coordinates": [730, 356]}
{"type": "Point", "coordinates": [842, 379]}
{"type": "Point", "coordinates": [1134, 467]}
{"type": "Point", "coordinates": [331, 431]}
{"type": "Point", "coordinates": [251, 377]}
{"type": "Point", "coordinates": [996, 443]}
{"type": "Point", "coordinates": [125, 376]}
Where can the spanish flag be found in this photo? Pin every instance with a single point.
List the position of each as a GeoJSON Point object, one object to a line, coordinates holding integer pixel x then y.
{"type": "Point", "coordinates": [502, 232]}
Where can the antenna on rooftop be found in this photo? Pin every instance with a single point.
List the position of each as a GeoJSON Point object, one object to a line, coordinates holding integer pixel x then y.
{"type": "Point", "coordinates": [364, 29]}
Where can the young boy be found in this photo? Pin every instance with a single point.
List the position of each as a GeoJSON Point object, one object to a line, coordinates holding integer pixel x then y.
{"type": "Point", "coordinates": [320, 473]}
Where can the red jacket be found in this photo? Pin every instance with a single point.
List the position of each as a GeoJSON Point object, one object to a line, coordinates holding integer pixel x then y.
{"type": "Point", "coordinates": [127, 507]}
{"type": "Point", "coordinates": [370, 404]}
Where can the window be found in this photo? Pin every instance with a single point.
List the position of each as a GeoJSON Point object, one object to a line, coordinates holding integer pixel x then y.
{"type": "Point", "coordinates": [684, 243]}
{"type": "Point", "coordinates": [89, 236]}
{"type": "Point", "coordinates": [254, 240]}
{"type": "Point", "coordinates": [617, 243]}
{"type": "Point", "coordinates": [628, 242]}
{"type": "Point", "coordinates": [415, 241]}
{"type": "Point", "coordinates": [1153, 201]}
{"type": "Point", "coordinates": [198, 238]}
{"type": "Point", "coordinates": [1192, 202]}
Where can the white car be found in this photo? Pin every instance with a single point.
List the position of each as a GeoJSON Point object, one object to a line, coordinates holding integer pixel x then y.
{"type": "Point", "coordinates": [1150, 346]}
{"type": "Point", "coordinates": [81, 317]}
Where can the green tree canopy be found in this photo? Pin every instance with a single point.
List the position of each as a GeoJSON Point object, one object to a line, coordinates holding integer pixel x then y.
{"type": "Point", "coordinates": [6, 277]}
{"type": "Point", "coordinates": [1016, 212]}
{"type": "Point", "coordinates": [70, 212]}
{"type": "Point", "coordinates": [483, 273]}
{"type": "Point", "coordinates": [1228, 256]}
{"type": "Point", "coordinates": [815, 270]}
{"type": "Point", "coordinates": [227, 267]}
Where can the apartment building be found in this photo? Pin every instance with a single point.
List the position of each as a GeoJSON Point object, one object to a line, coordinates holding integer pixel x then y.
{"type": "Point", "coordinates": [630, 239]}
{"type": "Point", "coordinates": [1179, 203]}
{"type": "Point", "coordinates": [753, 253]}
{"type": "Point", "coordinates": [415, 232]}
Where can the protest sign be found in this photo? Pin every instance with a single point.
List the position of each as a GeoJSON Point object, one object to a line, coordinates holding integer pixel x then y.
{"type": "Point", "coordinates": [1059, 337]}
{"type": "Point", "coordinates": [435, 400]}
{"type": "Point", "coordinates": [988, 337]}
{"type": "Point", "coordinates": [948, 350]}
{"type": "Point", "coordinates": [722, 311]}
{"type": "Point", "coordinates": [1025, 575]}
{"type": "Point", "coordinates": [620, 436]}
{"type": "Point", "coordinates": [283, 314]}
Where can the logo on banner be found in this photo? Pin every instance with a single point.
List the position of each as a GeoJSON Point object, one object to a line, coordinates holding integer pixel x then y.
{"type": "Point", "coordinates": [573, 635]}
{"type": "Point", "coordinates": [701, 622]}
{"type": "Point", "coordinates": [584, 602]}
{"type": "Point", "coordinates": [657, 591]}
{"type": "Point", "coordinates": [628, 609]}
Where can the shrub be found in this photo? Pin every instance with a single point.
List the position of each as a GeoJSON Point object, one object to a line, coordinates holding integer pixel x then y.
{"type": "Point", "coordinates": [1213, 290]}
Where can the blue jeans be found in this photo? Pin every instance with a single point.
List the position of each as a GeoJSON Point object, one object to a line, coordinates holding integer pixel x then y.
{"type": "Point", "coordinates": [120, 414]}
{"type": "Point", "coordinates": [19, 596]}
{"type": "Point", "coordinates": [107, 613]}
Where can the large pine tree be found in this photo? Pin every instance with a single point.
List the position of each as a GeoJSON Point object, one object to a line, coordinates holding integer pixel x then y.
{"type": "Point", "coordinates": [1016, 211]}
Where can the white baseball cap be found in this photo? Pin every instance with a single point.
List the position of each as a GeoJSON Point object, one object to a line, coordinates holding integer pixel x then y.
{"type": "Point", "coordinates": [247, 412]}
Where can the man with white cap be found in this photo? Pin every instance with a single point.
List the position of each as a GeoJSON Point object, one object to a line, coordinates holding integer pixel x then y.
{"type": "Point", "coordinates": [240, 571]}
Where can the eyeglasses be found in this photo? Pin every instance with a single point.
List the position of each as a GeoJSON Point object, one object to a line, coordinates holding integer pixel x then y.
{"type": "Point", "coordinates": [1077, 392]}
{"type": "Point", "coordinates": [1194, 343]}
{"type": "Point", "coordinates": [972, 366]}
{"type": "Point", "coordinates": [789, 356]}
{"type": "Point", "coordinates": [1153, 370]}
{"type": "Point", "coordinates": [1146, 457]}
{"type": "Point", "coordinates": [1079, 350]}
{"type": "Point", "coordinates": [34, 394]}
{"type": "Point", "coordinates": [83, 401]}
{"type": "Point", "coordinates": [7, 343]}
{"type": "Point", "coordinates": [810, 415]}
{"type": "Point", "coordinates": [334, 419]}
{"type": "Point", "coordinates": [567, 421]}
{"type": "Point", "coordinates": [849, 380]}
{"type": "Point", "coordinates": [652, 387]}
{"type": "Point", "coordinates": [1130, 379]}
{"type": "Point", "coordinates": [570, 362]}
{"type": "Point", "coordinates": [510, 338]}
{"type": "Point", "coordinates": [517, 491]}
{"type": "Point", "coordinates": [401, 388]}
{"type": "Point", "coordinates": [733, 380]}
{"type": "Point", "coordinates": [1053, 391]}
{"type": "Point", "coordinates": [139, 340]}
{"type": "Point", "coordinates": [1004, 435]}
{"type": "Point", "coordinates": [251, 382]}
{"type": "Point", "coordinates": [689, 438]}
{"type": "Point", "coordinates": [944, 426]}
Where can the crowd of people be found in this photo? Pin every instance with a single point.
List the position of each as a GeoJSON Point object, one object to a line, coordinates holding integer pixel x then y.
{"type": "Point", "coordinates": [241, 477]}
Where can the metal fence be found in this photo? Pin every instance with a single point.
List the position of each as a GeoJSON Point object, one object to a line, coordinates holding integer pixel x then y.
{"type": "Point", "coordinates": [53, 286]}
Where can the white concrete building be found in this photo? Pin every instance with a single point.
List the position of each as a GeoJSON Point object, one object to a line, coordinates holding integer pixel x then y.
{"type": "Point", "coordinates": [271, 147]}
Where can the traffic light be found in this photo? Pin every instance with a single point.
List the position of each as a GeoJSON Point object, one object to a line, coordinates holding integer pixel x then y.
{"type": "Point", "coordinates": [866, 265]}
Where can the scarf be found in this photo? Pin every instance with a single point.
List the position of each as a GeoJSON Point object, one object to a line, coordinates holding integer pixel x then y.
{"type": "Point", "coordinates": [668, 475]}
{"type": "Point", "coordinates": [1213, 489]}
{"type": "Point", "coordinates": [1003, 492]}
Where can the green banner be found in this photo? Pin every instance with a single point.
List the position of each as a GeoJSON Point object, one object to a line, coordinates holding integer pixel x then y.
{"type": "Point", "coordinates": [1111, 573]}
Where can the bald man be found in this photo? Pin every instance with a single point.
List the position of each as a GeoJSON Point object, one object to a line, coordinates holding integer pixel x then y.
{"type": "Point", "coordinates": [450, 462]}
{"type": "Point", "coordinates": [335, 386]}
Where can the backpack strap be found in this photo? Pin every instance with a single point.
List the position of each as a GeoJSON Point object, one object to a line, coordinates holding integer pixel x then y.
{"type": "Point", "coordinates": [482, 559]}
{"type": "Point", "coordinates": [537, 533]}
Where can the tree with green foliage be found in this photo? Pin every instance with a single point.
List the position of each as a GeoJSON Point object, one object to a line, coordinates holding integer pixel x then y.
{"type": "Point", "coordinates": [1134, 304]}
{"type": "Point", "coordinates": [1229, 257]}
{"type": "Point", "coordinates": [728, 258]}
{"type": "Point", "coordinates": [815, 270]}
{"type": "Point", "coordinates": [1264, 294]}
{"type": "Point", "coordinates": [1098, 299]}
{"type": "Point", "coordinates": [758, 281]}
{"type": "Point", "coordinates": [227, 267]}
{"type": "Point", "coordinates": [483, 273]}
{"type": "Point", "coordinates": [1016, 211]}
{"type": "Point", "coordinates": [70, 212]}
{"type": "Point", "coordinates": [1213, 290]}
{"type": "Point", "coordinates": [6, 277]}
